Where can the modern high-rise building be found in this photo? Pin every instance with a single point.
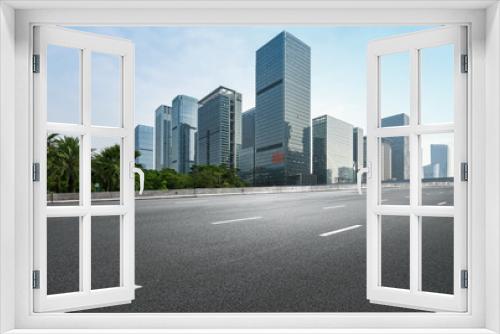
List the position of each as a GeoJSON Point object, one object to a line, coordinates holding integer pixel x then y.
{"type": "Point", "coordinates": [184, 127]}
{"type": "Point", "coordinates": [163, 137]}
{"type": "Point", "coordinates": [438, 168]}
{"type": "Point", "coordinates": [144, 145]}
{"type": "Point", "coordinates": [247, 152]}
{"type": "Point", "coordinates": [400, 148]}
{"type": "Point", "coordinates": [332, 150]}
{"type": "Point", "coordinates": [283, 112]}
{"type": "Point", "coordinates": [357, 151]}
{"type": "Point", "coordinates": [219, 128]}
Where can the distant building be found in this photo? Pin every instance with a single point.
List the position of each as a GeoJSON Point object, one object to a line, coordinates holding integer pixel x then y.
{"type": "Point", "coordinates": [332, 150]}
{"type": "Point", "coordinates": [163, 137]}
{"type": "Point", "coordinates": [357, 151]}
{"type": "Point", "coordinates": [400, 148]}
{"type": "Point", "coordinates": [219, 128]}
{"type": "Point", "coordinates": [386, 159]}
{"type": "Point", "coordinates": [184, 127]}
{"type": "Point", "coordinates": [438, 168]}
{"type": "Point", "coordinates": [283, 125]}
{"type": "Point", "coordinates": [144, 145]}
{"type": "Point", "coordinates": [247, 152]}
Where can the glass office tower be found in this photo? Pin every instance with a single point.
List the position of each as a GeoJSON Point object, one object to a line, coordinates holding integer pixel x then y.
{"type": "Point", "coordinates": [283, 112]}
{"type": "Point", "coordinates": [144, 145]}
{"type": "Point", "coordinates": [184, 127]}
{"type": "Point", "coordinates": [400, 148]}
{"type": "Point", "coordinates": [332, 150]}
{"type": "Point", "coordinates": [163, 137]}
{"type": "Point", "coordinates": [219, 128]}
{"type": "Point", "coordinates": [247, 152]}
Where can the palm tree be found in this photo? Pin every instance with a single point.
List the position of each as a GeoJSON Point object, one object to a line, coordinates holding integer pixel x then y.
{"type": "Point", "coordinates": [63, 163]}
{"type": "Point", "coordinates": [106, 168]}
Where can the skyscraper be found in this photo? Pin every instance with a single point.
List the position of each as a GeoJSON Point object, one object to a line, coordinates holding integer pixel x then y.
{"type": "Point", "coordinates": [400, 148]}
{"type": "Point", "coordinates": [283, 111]}
{"type": "Point", "coordinates": [144, 145]}
{"type": "Point", "coordinates": [184, 127]}
{"type": "Point", "coordinates": [247, 152]}
{"type": "Point", "coordinates": [332, 150]}
{"type": "Point", "coordinates": [357, 151]}
{"type": "Point", "coordinates": [219, 128]}
{"type": "Point", "coordinates": [438, 167]}
{"type": "Point", "coordinates": [163, 137]}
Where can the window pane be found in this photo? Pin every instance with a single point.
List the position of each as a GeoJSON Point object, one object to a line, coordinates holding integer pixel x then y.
{"type": "Point", "coordinates": [436, 84]}
{"type": "Point", "coordinates": [437, 254]}
{"type": "Point", "coordinates": [63, 85]}
{"type": "Point", "coordinates": [105, 252]}
{"type": "Point", "coordinates": [63, 170]}
{"type": "Point", "coordinates": [394, 155]}
{"type": "Point", "coordinates": [394, 89]}
{"type": "Point", "coordinates": [106, 170]}
{"type": "Point", "coordinates": [63, 255]}
{"type": "Point", "coordinates": [106, 90]}
{"type": "Point", "coordinates": [437, 169]}
{"type": "Point", "coordinates": [395, 234]}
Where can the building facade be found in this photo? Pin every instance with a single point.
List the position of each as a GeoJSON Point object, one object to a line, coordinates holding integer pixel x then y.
{"type": "Point", "coordinates": [184, 128]}
{"type": "Point", "coordinates": [400, 148]}
{"type": "Point", "coordinates": [144, 146]}
{"type": "Point", "coordinates": [283, 112]}
{"type": "Point", "coordinates": [163, 137]}
{"type": "Point", "coordinates": [332, 150]}
{"type": "Point", "coordinates": [247, 152]}
{"type": "Point", "coordinates": [357, 151]}
{"type": "Point", "coordinates": [438, 168]}
{"type": "Point", "coordinates": [219, 128]}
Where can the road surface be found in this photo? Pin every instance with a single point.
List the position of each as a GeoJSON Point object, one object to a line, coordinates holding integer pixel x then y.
{"type": "Point", "coordinates": [287, 252]}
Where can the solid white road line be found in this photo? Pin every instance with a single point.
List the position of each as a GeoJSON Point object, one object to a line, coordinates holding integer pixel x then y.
{"type": "Point", "coordinates": [333, 207]}
{"type": "Point", "coordinates": [340, 231]}
{"type": "Point", "coordinates": [384, 200]}
{"type": "Point", "coordinates": [235, 220]}
{"type": "Point", "coordinates": [442, 203]}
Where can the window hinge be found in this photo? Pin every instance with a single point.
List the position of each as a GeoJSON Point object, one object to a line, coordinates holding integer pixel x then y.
{"type": "Point", "coordinates": [464, 169]}
{"type": "Point", "coordinates": [465, 63]}
{"type": "Point", "coordinates": [464, 278]}
{"type": "Point", "coordinates": [36, 63]}
{"type": "Point", "coordinates": [36, 279]}
{"type": "Point", "coordinates": [36, 172]}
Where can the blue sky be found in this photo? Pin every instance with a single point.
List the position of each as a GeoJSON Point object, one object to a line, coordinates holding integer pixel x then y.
{"type": "Point", "coordinates": [195, 60]}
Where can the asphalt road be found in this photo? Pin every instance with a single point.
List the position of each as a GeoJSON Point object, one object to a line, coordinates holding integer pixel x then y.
{"type": "Point", "coordinates": [289, 252]}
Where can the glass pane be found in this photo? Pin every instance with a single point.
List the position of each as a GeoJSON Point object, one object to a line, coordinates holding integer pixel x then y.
{"type": "Point", "coordinates": [63, 255]}
{"type": "Point", "coordinates": [436, 84]}
{"type": "Point", "coordinates": [437, 254]}
{"type": "Point", "coordinates": [106, 165]}
{"type": "Point", "coordinates": [63, 170]}
{"type": "Point", "coordinates": [395, 234]}
{"type": "Point", "coordinates": [63, 85]}
{"type": "Point", "coordinates": [395, 170]}
{"type": "Point", "coordinates": [394, 89]}
{"type": "Point", "coordinates": [105, 252]}
{"type": "Point", "coordinates": [106, 90]}
{"type": "Point", "coordinates": [437, 169]}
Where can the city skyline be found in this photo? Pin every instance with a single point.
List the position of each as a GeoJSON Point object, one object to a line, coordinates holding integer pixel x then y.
{"type": "Point", "coordinates": [175, 51]}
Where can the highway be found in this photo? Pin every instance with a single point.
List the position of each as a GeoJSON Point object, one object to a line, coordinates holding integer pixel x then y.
{"type": "Point", "coordinates": [286, 252]}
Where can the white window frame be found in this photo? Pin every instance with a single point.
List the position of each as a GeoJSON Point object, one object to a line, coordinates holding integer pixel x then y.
{"type": "Point", "coordinates": [16, 20]}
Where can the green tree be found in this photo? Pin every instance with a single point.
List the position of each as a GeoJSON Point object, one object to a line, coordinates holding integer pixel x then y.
{"type": "Point", "coordinates": [106, 169]}
{"type": "Point", "coordinates": [63, 163]}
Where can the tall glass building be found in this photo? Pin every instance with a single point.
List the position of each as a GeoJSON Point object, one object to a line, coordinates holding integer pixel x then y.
{"type": "Point", "coordinates": [163, 137]}
{"type": "Point", "coordinates": [144, 145]}
{"type": "Point", "coordinates": [438, 168]}
{"type": "Point", "coordinates": [247, 152]}
{"type": "Point", "coordinates": [332, 150]}
{"type": "Point", "coordinates": [400, 148]}
{"type": "Point", "coordinates": [184, 127]}
{"type": "Point", "coordinates": [283, 112]}
{"type": "Point", "coordinates": [219, 128]}
{"type": "Point", "coordinates": [357, 151]}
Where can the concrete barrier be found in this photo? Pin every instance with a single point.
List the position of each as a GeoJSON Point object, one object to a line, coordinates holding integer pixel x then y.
{"type": "Point", "coordinates": [201, 192]}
